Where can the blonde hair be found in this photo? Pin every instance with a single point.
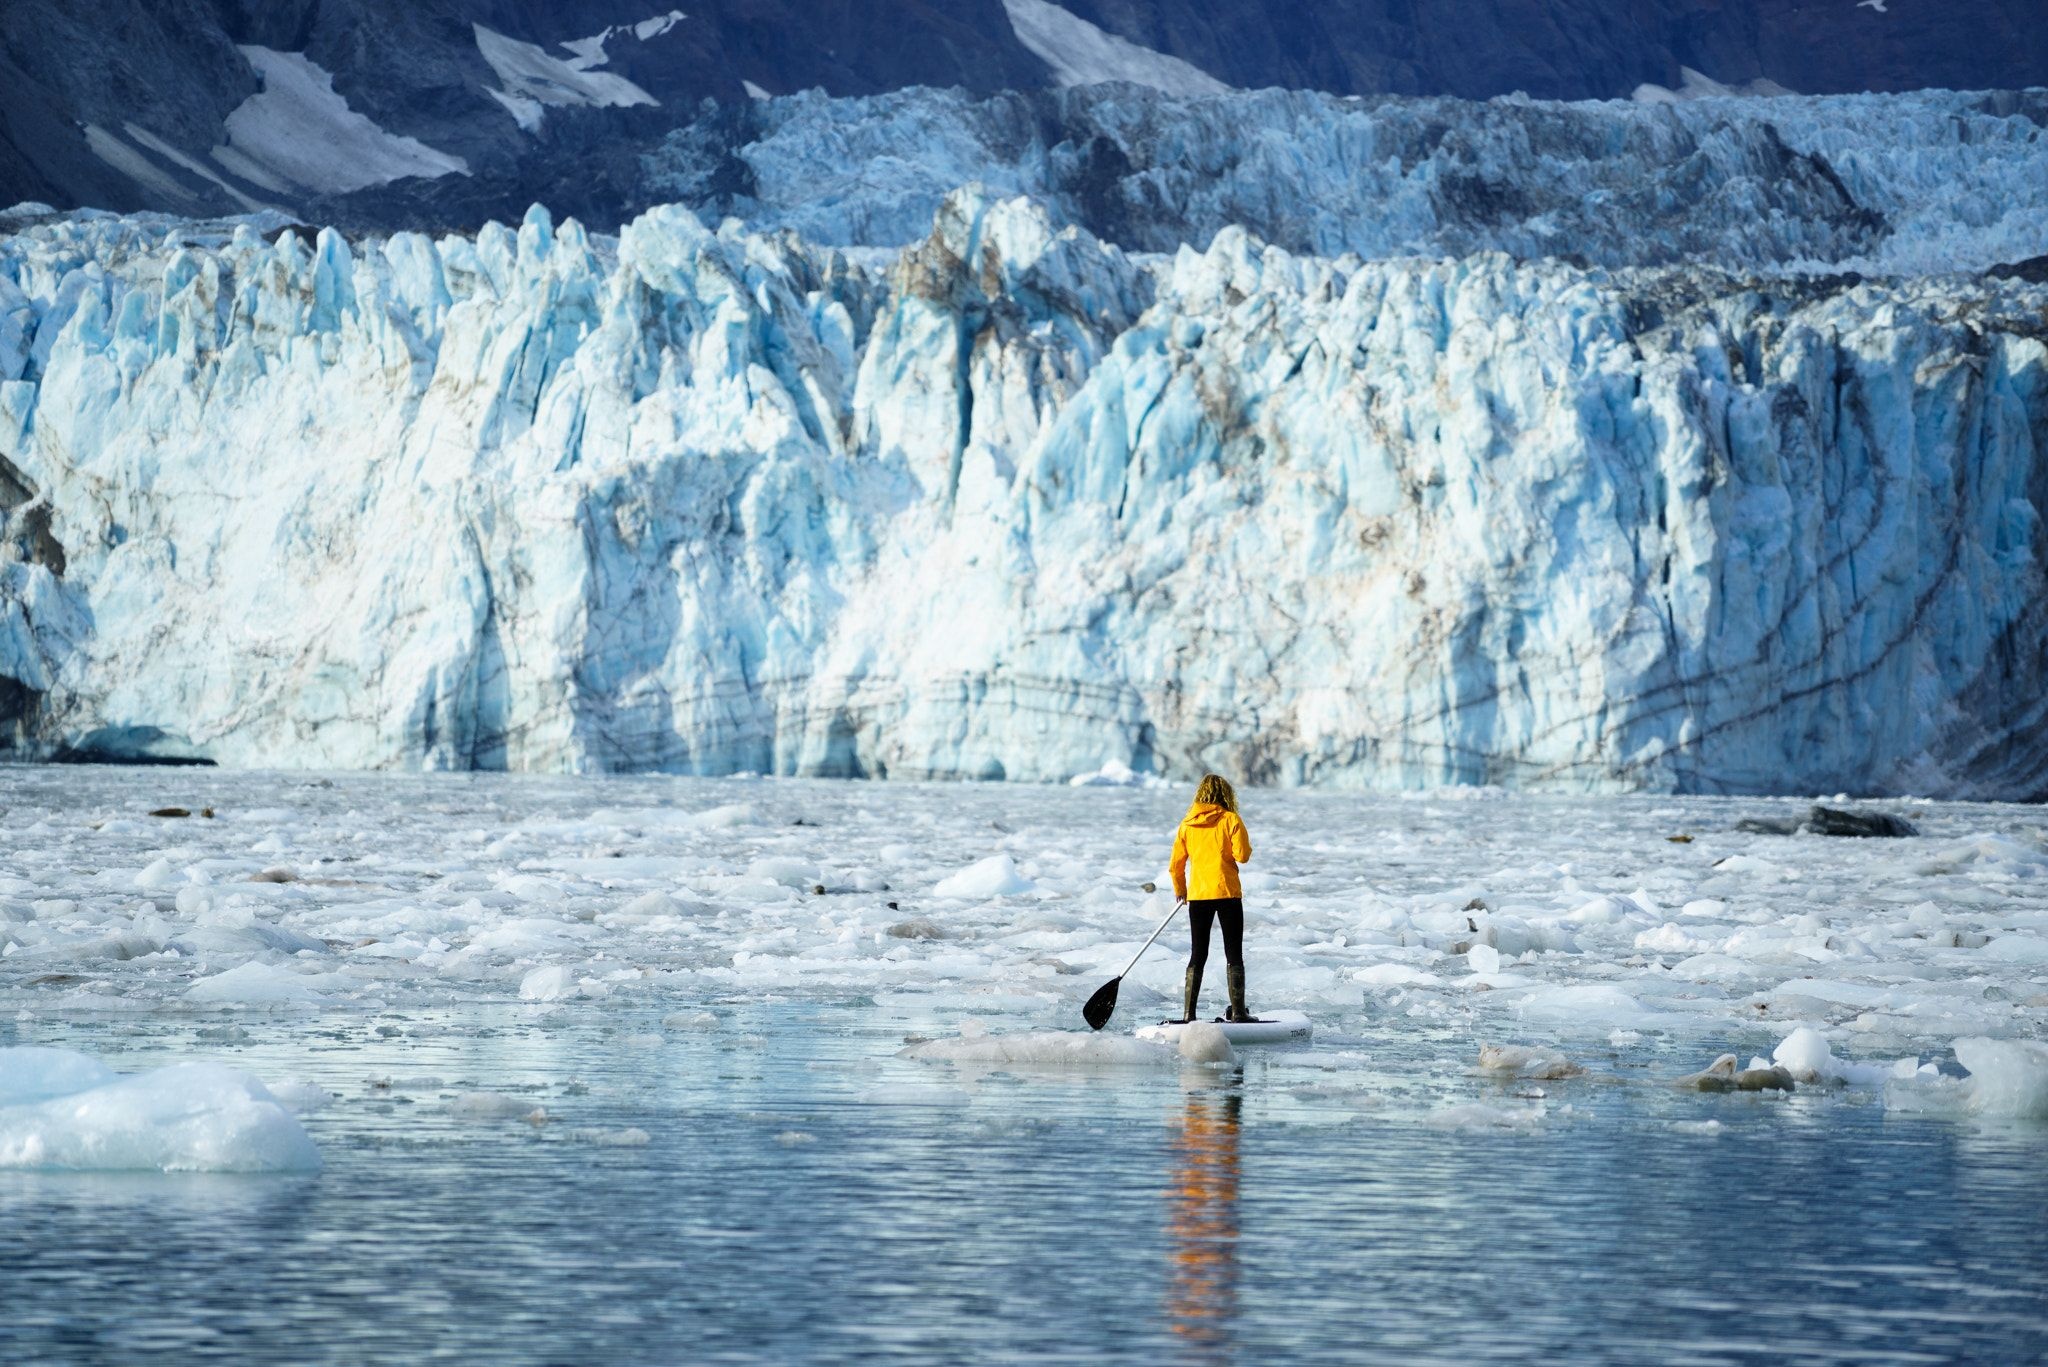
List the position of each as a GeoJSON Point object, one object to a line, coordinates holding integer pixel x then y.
{"type": "Point", "coordinates": [1215, 790]}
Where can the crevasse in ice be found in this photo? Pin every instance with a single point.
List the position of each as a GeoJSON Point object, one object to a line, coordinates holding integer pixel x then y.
{"type": "Point", "coordinates": [1016, 505]}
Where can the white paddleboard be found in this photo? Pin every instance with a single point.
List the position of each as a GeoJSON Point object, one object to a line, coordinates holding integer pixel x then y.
{"type": "Point", "coordinates": [1275, 1027]}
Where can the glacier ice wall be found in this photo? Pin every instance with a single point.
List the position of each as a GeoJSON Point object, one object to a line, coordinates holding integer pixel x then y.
{"type": "Point", "coordinates": [1015, 505]}
{"type": "Point", "coordinates": [1938, 180]}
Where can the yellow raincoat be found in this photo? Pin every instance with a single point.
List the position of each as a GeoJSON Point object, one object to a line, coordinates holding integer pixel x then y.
{"type": "Point", "coordinates": [1207, 849]}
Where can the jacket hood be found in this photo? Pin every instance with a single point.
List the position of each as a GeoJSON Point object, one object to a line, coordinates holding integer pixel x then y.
{"type": "Point", "coordinates": [1204, 814]}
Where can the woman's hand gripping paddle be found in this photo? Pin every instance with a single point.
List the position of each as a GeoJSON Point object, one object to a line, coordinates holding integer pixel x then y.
{"type": "Point", "coordinates": [1102, 1005]}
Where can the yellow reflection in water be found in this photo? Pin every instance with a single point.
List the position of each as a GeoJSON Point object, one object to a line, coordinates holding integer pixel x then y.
{"type": "Point", "coordinates": [1201, 1297]}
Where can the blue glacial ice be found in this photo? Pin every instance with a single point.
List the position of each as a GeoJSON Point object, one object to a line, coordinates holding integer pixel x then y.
{"type": "Point", "coordinates": [1013, 503]}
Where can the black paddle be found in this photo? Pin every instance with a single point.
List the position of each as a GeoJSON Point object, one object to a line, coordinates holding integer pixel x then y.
{"type": "Point", "coordinates": [1102, 1005]}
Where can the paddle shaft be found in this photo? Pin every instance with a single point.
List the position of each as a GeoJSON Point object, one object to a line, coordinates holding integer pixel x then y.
{"type": "Point", "coordinates": [1149, 939]}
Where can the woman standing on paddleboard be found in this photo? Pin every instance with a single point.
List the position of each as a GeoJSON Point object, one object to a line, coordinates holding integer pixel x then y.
{"type": "Point", "coordinates": [1207, 849]}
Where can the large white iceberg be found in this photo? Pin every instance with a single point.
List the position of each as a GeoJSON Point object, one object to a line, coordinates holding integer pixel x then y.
{"type": "Point", "coordinates": [717, 501]}
{"type": "Point", "coordinates": [63, 1109]}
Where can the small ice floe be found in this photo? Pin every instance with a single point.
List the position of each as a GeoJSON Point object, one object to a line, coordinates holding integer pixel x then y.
{"type": "Point", "coordinates": [63, 1109]}
{"type": "Point", "coordinates": [260, 984]}
{"type": "Point", "coordinates": [1700, 1127]}
{"type": "Point", "coordinates": [1723, 1075]}
{"type": "Point", "coordinates": [790, 1139]}
{"type": "Point", "coordinates": [689, 1020]}
{"type": "Point", "coordinates": [2008, 1081]}
{"type": "Point", "coordinates": [497, 1106]}
{"type": "Point", "coordinates": [1046, 1049]}
{"type": "Point", "coordinates": [1205, 1042]}
{"type": "Point", "coordinates": [1477, 1115]}
{"type": "Point", "coordinates": [1515, 1060]}
{"type": "Point", "coordinates": [1116, 774]}
{"type": "Point", "coordinates": [301, 1097]}
{"type": "Point", "coordinates": [556, 983]}
{"type": "Point", "coordinates": [1805, 1054]}
{"type": "Point", "coordinates": [995, 876]}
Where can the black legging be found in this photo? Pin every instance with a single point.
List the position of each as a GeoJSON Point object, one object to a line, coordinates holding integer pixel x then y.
{"type": "Point", "coordinates": [1228, 910]}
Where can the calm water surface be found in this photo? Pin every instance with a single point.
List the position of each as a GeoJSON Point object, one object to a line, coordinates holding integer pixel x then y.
{"type": "Point", "coordinates": [805, 1195]}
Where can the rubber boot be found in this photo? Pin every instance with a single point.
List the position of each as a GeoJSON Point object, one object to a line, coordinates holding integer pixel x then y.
{"type": "Point", "coordinates": [1237, 1011]}
{"type": "Point", "coordinates": [1190, 993]}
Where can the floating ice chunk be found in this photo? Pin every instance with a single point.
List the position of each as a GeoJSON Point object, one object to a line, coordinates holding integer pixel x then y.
{"type": "Point", "coordinates": [2008, 1078]}
{"type": "Point", "coordinates": [1523, 1061]}
{"type": "Point", "coordinates": [35, 1074]}
{"type": "Point", "coordinates": [2017, 948]}
{"type": "Point", "coordinates": [995, 876]}
{"type": "Point", "coordinates": [1205, 1042]}
{"type": "Point", "coordinates": [260, 984]}
{"type": "Point", "coordinates": [726, 816]}
{"type": "Point", "coordinates": [1046, 1049]}
{"type": "Point", "coordinates": [1477, 1115]}
{"type": "Point", "coordinates": [556, 982]}
{"type": "Point", "coordinates": [1394, 975]}
{"type": "Point", "coordinates": [690, 1020]}
{"type": "Point", "coordinates": [1670, 939]}
{"type": "Point", "coordinates": [789, 873]}
{"type": "Point", "coordinates": [1116, 774]}
{"type": "Point", "coordinates": [1700, 1127]}
{"type": "Point", "coordinates": [301, 1097]}
{"type": "Point", "coordinates": [1805, 1054]}
{"type": "Point", "coordinates": [1484, 959]}
{"type": "Point", "coordinates": [790, 1139]}
{"type": "Point", "coordinates": [160, 874]}
{"type": "Point", "coordinates": [60, 1109]}
{"type": "Point", "coordinates": [497, 1106]}
{"type": "Point", "coordinates": [1591, 1006]}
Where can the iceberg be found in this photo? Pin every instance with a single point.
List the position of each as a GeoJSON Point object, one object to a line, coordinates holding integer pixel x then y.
{"type": "Point", "coordinates": [63, 1109]}
{"type": "Point", "coordinates": [1014, 502]}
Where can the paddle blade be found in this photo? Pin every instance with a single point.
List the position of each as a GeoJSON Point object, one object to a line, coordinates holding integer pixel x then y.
{"type": "Point", "coordinates": [1102, 1005]}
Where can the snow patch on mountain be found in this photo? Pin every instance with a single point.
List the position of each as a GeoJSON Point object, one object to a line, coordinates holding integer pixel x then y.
{"type": "Point", "coordinates": [194, 166]}
{"type": "Point", "coordinates": [531, 79]}
{"type": "Point", "coordinates": [1079, 53]}
{"type": "Point", "coordinates": [1697, 85]}
{"type": "Point", "coordinates": [299, 130]}
{"type": "Point", "coordinates": [590, 52]}
{"type": "Point", "coordinates": [130, 162]}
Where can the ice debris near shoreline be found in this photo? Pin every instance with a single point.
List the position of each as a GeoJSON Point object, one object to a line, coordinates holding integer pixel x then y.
{"type": "Point", "coordinates": [612, 900]}
{"type": "Point", "coordinates": [63, 1109]}
{"type": "Point", "coordinates": [719, 501]}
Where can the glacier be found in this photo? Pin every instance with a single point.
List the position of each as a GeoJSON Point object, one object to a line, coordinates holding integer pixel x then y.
{"type": "Point", "coordinates": [1881, 184]}
{"type": "Point", "coordinates": [1015, 503]}
{"type": "Point", "coordinates": [1020, 503]}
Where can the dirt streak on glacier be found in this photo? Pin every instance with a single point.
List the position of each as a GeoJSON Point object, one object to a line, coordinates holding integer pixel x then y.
{"type": "Point", "coordinates": [1018, 504]}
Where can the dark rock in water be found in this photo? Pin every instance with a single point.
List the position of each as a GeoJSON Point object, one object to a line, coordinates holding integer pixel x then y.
{"type": "Point", "coordinates": [1724, 1076]}
{"type": "Point", "coordinates": [1768, 825]}
{"type": "Point", "coordinates": [1772, 1079]}
{"type": "Point", "coordinates": [917, 929]}
{"type": "Point", "coordinates": [1835, 821]}
{"type": "Point", "coordinates": [1830, 821]}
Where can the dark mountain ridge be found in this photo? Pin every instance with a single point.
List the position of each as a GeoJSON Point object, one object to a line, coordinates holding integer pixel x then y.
{"type": "Point", "coordinates": [127, 104]}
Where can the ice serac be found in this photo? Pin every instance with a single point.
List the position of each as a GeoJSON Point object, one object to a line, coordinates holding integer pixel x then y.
{"type": "Point", "coordinates": [1018, 504]}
